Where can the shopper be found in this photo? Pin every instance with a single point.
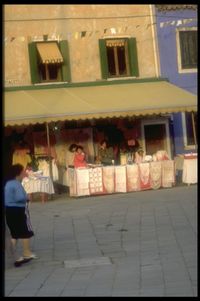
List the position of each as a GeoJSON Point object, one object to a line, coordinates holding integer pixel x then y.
{"type": "Point", "coordinates": [80, 157]}
{"type": "Point", "coordinates": [17, 213]}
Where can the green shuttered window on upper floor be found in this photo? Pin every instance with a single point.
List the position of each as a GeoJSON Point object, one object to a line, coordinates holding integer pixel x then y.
{"type": "Point", "coordinates": [118, 57]}
{"type": "Point", "coordinates": [49, 61]}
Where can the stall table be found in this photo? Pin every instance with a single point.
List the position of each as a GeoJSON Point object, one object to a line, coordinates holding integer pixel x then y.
{"type": "Point", "coordinates": [43, 185]}
{"type": "Point", "coordinates": [123, 178]}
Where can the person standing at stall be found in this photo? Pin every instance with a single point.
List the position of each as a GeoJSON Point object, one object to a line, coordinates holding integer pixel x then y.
{"type": "Point", "coordinates": [80, 157]}
{"type": "Point", "coordinates": [17, 213]}
{"type": "Point", "coordinates": [105, 154]}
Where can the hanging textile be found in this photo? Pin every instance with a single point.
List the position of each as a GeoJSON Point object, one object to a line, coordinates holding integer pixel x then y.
{"type": "Point", "coordinates": [108, 179]}
{"type": "Point", "coordinates": [155, 175]}
{"type": "Point", "coordinates": [133, 179]}
{"type": "Point", "coordinates": [144, 176]}
{"type": "Point", "coordinates": [120, 179]}
{"type": "Point", "coordinates": [168, 173]}
{"type": "Point", "coordinates": [20, 156]}
{"type": "Point", "coordinates": [96, 180]}
{"type": "Point", "coordinates": [44, 166]}
{"type": "Point", "coordinates": [82, 176]}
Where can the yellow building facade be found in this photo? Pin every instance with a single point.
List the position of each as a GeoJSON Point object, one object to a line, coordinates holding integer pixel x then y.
{"type": "Point", "coordinates": [82, 26]}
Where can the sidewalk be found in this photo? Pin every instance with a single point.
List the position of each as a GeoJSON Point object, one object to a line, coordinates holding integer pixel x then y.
{"type": "Point", "coordinates": [134, 244]}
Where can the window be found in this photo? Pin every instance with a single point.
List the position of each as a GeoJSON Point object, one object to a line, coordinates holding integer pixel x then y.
{"type": "Point", "coordinates": [118, 57]}
{"type": "Point", "coordinates": [187, 50]}
{"type": "Point", "coordinates": [49, 61]}
{"type": "Point", "coordinates": [190, 129]}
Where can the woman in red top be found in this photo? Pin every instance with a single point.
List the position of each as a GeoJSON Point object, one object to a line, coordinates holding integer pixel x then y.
{"type": "Point", "coordinates": [79, 158]}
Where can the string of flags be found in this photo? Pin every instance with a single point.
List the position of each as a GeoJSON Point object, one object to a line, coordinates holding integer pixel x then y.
{"type": "Point", "coordinates": [176, 22]}
{"type": "Point", "coordinates": [87, 34]}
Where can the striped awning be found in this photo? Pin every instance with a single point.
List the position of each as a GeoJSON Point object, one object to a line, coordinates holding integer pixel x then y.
{"type": "Point", "coordinates": [49, 52]}
{"type": "Point", "coordinates": [115, 42]}
{"type": "Point", "coordinates": [102, 101]}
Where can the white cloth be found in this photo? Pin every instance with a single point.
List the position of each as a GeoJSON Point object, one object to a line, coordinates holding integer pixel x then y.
{"type": "Point", "coordinates": [82, 176]}
{"type": "Point", "coordinates": [120, 179]}
{"type": "Point", "coordinates": [43, 184]}
{"type": "Point", "coordinates": [44, 166]}
{"type": "Point", "coordinates": [168, 173]}
{"type": "Point", "coordinates": [190, 171]}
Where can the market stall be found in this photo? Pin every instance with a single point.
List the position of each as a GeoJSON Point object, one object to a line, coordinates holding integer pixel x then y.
{"type": "Point", "coordinates": [124, 178]}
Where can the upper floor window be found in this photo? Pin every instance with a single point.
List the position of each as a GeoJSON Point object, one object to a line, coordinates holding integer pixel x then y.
{"type": "Point", "coordinates": [190, 129]}
{"type": "Point", "coordinates": [118, 57]}
{"type": "Point", "coordinates": [49, 61]}
{"type": "Point", "coordinates": [187, 50]}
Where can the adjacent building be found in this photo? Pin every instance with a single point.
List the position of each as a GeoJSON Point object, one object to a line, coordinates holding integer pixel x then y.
{"type": "Point", "coordinates": [177, 42]}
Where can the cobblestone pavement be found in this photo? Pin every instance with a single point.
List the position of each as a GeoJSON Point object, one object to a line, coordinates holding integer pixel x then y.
{"type": "Point", "coordinates": [134, 244]}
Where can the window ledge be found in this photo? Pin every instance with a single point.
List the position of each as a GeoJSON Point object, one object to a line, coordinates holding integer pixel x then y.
{"type": "Point", "coordinates": [190, 147]}
{"type": "Point", "coordinates": [187, 70]}
{"type": "Point", "coordinates": [50, 83]}
{"type": "Point", "coordinates": [120, 78]}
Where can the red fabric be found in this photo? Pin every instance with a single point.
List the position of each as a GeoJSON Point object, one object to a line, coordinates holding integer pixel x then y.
{"type": "Point", "coordinates": [79, 160]}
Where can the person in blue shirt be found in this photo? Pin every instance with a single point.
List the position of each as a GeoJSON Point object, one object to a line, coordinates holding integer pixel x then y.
{"type": "Point", "coordinates": [17, 213]}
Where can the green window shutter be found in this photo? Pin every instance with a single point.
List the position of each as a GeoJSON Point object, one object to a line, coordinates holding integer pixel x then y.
{"type": "Point", "coordinates": [64, 49]}
{"type": "Point", "coordinates": [103, 58]}
{"type": "Point", "coordinates": [133, 59]}
{"type": "Point", "coordinates": [33, 63]}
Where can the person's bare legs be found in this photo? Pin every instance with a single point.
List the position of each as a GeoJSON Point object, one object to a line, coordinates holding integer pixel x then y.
{"type": "Point", "coordinates": [26, 247]}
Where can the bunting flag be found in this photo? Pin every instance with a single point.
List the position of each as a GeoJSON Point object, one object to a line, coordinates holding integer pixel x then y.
{"type": "Point", "coordinates": [177, 22]}
{"type": "Point", "coordinates": [113, 30]}
{"type": "Point", "coordinates": [84, 33]}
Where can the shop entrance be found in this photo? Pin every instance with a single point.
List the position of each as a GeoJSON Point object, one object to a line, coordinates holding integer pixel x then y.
{"type": "Point", "coordinates": [156, 136]}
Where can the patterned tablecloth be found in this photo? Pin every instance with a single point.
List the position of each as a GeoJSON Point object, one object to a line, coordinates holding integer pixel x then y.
{"type": "Point", "coordinates": [41, 184]}
{"type": "Point", "coordinates": [123, 178]}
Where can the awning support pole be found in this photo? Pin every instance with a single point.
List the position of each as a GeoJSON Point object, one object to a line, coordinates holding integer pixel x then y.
{"type": "Point", "coordinates": [49, 153]}
{"type": "Point", "coordinates": [194, 130]}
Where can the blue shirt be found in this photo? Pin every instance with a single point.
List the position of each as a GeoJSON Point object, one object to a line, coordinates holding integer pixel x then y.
{"type": "Point", "coordinates": [14, 194]}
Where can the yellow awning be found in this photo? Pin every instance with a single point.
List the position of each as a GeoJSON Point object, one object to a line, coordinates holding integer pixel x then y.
{"type": "Point", "coordinates": [106, 101]}
{"type": "Point", "coordinates": [49, 52]}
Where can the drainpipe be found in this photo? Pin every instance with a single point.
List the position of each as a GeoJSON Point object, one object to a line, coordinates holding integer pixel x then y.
{"type": "Point", "coordinates": [155, 40]}
{"type": "Point", "coordinates": [49, 153]}
{"type": "Point", "coordinates": [194, 131]}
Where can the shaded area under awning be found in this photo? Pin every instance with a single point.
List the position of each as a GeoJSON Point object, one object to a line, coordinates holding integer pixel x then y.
{"type": "Point", "coordinates": [105, 101]}
{"type": "Point", "coordinates": [49, 53]}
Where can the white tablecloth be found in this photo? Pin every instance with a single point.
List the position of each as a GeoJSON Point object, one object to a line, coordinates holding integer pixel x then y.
{"type": "Point", "coordinates": [190, 171]}
{"type": "Point", "coordinates": [43, 184]}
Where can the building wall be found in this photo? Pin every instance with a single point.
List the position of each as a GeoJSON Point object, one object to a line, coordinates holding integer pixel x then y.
{"type": "Point", "coordinates": [26, 23]}
{"type": "Point", "coordinates": [169, 62]}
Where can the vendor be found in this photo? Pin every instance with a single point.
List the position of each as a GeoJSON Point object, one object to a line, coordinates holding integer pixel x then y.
{"type": "Point", "coordinates": [105, 154]}
{"type": "Point", "coordinates": [80, 157]}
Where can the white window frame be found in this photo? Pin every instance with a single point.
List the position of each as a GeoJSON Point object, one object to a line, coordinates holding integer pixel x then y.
{"type": "Point", "coordinates": [180, 69]}
{"type": "Point", "coordinates": [157, 121]}
{"type": "Point", "coordinates": [185, 142]}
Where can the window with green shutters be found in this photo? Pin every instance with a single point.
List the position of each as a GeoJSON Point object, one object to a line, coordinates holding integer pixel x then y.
{"type": "Point", "coordinates": [118, 57]}
{"type": "Point", "coordinates": [51, 72]}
